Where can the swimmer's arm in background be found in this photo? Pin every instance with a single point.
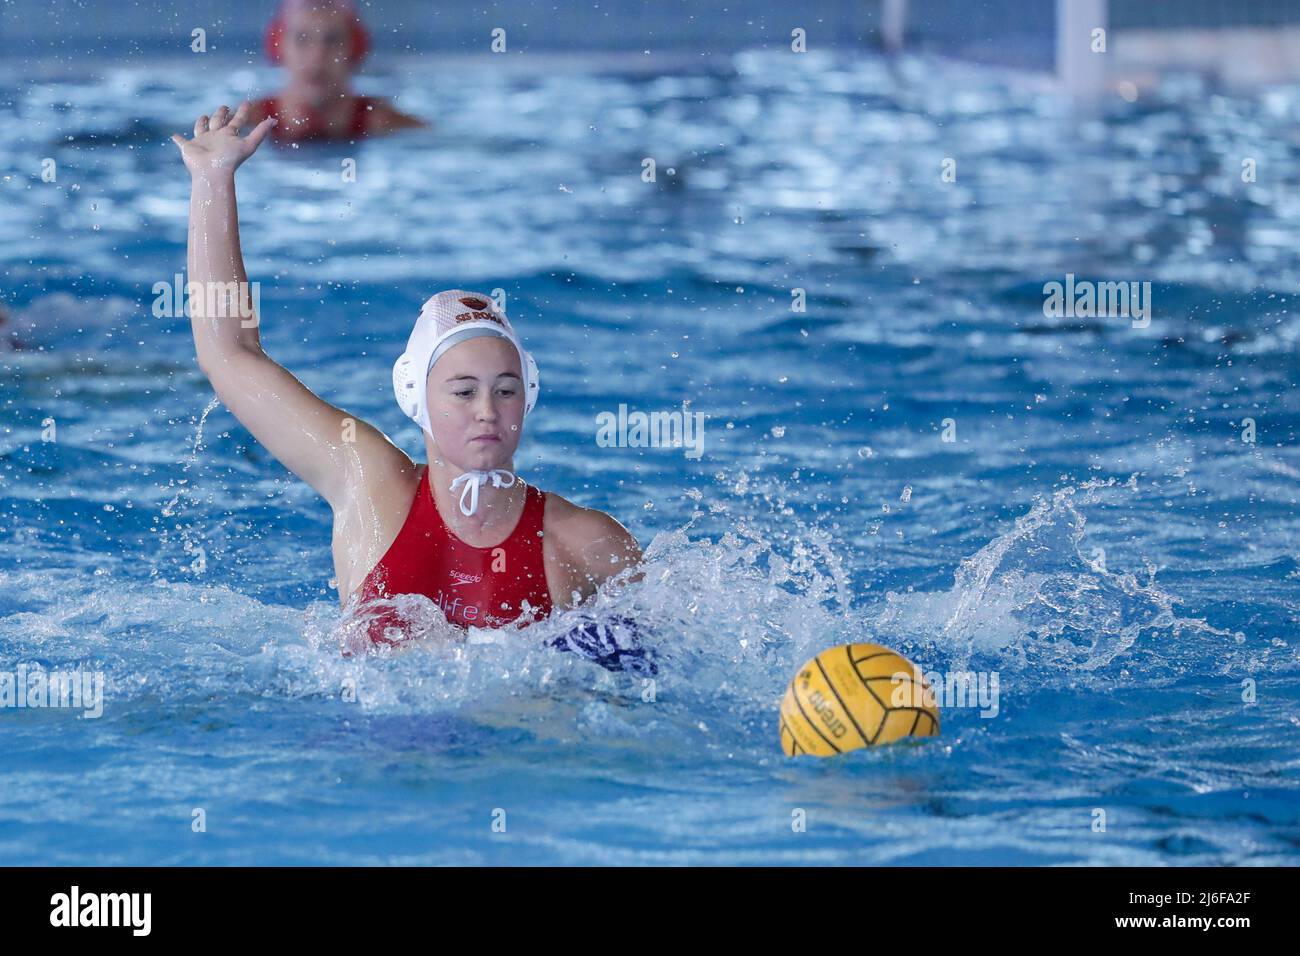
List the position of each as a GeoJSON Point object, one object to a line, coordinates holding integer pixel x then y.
{"type": "Point", "coordinates": [321, 444]}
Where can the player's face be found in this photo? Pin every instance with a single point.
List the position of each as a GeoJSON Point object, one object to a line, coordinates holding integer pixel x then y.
{"type": "Point", "coordinates": [476, 403]}
{"type": "Point", "coordinates": [316, 47]}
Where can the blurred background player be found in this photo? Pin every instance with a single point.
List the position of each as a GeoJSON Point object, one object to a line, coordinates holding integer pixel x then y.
{"type": "Point", "coordinates": [321, 43]}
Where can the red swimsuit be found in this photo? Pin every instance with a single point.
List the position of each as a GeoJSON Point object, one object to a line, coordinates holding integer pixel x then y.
{"type": "Point", "coordinates": [286, 129]}
{"type": "Point", "coordinates": [483, 587]}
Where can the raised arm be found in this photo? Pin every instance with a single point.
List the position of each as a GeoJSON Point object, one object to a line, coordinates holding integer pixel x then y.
{"type": "Point", "coordinates": [321, 444]}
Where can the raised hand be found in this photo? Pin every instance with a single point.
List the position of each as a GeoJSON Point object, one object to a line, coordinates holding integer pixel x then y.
{"type": "Point", "coordinates": [217, 145]}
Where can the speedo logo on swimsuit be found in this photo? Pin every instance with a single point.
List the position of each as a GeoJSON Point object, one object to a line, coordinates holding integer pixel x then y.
{"type": "Point", "coordinates": [460, 577]}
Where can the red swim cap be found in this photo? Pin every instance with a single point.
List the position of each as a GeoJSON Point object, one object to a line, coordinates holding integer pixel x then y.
{"type": "Point", "coordinates": [358, 34]}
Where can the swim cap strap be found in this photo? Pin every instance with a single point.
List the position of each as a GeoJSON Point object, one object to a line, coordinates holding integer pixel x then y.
{"type": "Point", "coordinates": [473, 479]}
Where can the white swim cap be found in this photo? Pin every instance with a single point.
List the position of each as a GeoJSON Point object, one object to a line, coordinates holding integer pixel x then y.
{"type": "Point", "coordinates": [447, 319]}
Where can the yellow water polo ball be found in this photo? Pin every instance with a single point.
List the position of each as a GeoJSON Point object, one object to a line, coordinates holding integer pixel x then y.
{"type": "Point", "coordinates": [854, 696]}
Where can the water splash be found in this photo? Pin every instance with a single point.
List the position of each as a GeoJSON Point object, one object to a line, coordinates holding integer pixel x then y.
{"type": "Point", "coordinates": [1031, 600]}
{"type": "Point", "coordinates": [186, 533]}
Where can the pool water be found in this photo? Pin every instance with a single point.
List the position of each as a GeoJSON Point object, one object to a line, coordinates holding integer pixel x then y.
{"type": "Point", "coordinates": [923, 459]}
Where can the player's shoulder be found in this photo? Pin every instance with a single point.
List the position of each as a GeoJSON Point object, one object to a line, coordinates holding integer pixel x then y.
{"type": "Point", "coordinates": [383, 117]}
{"type": "Point", "coordinates": [574, 526]}
{"type": "Point", "coordinates": [561, 513]}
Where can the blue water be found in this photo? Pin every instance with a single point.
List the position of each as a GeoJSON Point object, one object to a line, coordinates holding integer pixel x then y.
{"type": "Point", "coordinates": [1098, 533]}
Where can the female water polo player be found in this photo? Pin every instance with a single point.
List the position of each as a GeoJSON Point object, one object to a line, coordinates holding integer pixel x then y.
{"type": "Point", "coordinates": [463, 530]}
{"type": "Point", "coordinates": [320, 43]}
